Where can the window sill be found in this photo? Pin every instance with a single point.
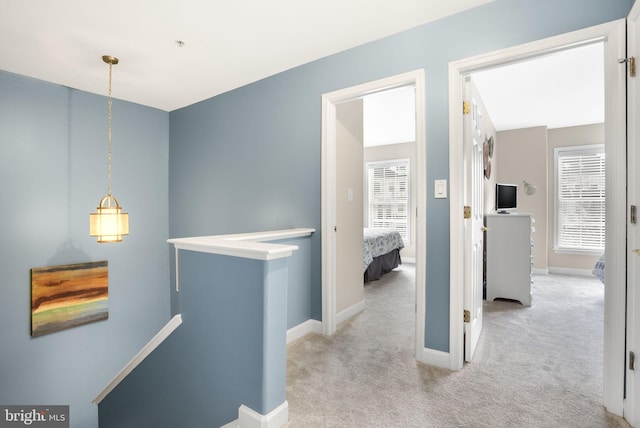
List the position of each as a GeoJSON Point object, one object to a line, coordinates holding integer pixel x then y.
{"type": "Point", "coordinates": [577, 252]}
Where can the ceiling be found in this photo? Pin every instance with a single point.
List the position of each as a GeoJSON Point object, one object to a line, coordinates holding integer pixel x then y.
{"type": "Point", "coordinates": [557, 90]}
{"type": "Point", "coordinates": [226, 44]}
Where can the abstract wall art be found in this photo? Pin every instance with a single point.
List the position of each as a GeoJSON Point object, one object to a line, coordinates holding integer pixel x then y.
{"type": "Point", "coordinates": [68, 296]}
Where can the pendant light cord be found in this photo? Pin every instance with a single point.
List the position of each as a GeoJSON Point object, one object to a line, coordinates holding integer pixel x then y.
{"type": "Point", "coordinates": [109, 103]}
{"type": "Point", "coordinates": [109, 223]}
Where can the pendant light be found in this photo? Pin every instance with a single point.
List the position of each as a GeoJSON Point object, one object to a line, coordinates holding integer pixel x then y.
{"type": "Point", "coordinates": [109, 223]}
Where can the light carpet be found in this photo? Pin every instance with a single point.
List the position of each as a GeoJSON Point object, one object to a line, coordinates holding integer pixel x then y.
{"type": "Point", "coordinates": [538, 366]}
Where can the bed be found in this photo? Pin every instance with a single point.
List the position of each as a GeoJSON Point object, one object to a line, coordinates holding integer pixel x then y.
{"type": "Point", "coordinates": [381, 252]}
{"type": "Point", "coordinates": [598, 268]}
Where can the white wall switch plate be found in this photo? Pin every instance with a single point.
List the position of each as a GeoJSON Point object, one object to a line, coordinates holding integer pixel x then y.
{"type": "Point", "coordinates": [441, 188]}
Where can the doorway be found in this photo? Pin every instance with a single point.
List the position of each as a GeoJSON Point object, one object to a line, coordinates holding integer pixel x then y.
{"type": "Point", "coordinates": [612, 35]}
{"type": "Point", "coordinates": [330, 102]}
{"type": "Point", "coordinates": [528, 109]}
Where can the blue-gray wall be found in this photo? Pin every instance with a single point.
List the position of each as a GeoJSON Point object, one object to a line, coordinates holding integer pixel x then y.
{"type": "Point", "coordinates": [230, 349]}
{"type": "Point", "coordinates": [243, 161]}
{"type": "Point", "coordinates": [53, 172]}
{"type": "Point", "coordinates": [250, 159]}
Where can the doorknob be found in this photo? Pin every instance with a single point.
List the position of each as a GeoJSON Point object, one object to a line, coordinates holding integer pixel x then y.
{"type": "Point", "coordinates": [484, 228]}
{"type": "Point", "coordinates": [637, 251]}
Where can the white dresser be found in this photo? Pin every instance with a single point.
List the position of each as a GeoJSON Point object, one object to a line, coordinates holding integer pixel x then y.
{"type": "Point", "coordinates": [509, 261]}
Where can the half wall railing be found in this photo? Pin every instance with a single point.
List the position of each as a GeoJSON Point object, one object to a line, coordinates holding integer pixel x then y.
{"type": "Point", "coordinates": [222, 360]}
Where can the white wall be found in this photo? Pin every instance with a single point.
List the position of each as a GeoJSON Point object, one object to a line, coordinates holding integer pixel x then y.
{"type": "Point", "coordinates": [390, 117]}
{"type": "Point", "coordinates": [349, 203]}
{"type": "Point", "coordinates": [522, 156]}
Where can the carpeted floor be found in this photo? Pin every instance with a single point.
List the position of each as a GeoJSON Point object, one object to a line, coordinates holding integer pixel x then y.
{"type": "Point", "coordinates": [534, 367]}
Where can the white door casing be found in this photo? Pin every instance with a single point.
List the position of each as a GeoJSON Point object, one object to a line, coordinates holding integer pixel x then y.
{"type": "Point", "coordinates": [632, 401]}
{"type": "Point", "coordinates": [613, 36]}
{"type": "Point", "coordinates": [328, 201]}
{"type": "Point", "coordinates": [474, 234]}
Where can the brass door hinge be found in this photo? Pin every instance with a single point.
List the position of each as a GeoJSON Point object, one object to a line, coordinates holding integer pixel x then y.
{"type": "Point", "coordinates": [466, 107]}
{"type": "Point", "coordinates": [633, 214]}
{"type": "Point", "coordinates": [467, 211]}
{"type": "Point", "coordinates": [632, 65]}
{"type": "Point", "coordinates": [467, 316]}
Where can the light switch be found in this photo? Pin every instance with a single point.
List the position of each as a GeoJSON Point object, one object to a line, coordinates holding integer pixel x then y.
{"type": "Point", "coordinates": [350, 195]}
{"type": "Point", "coordinates": [441, 189]}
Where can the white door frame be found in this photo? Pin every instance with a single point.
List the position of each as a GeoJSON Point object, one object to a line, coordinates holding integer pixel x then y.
{"type": "Point", "coordinates": [613, 34]}
{"type": "Point", "coordinates": [632, 401]}
{"type": "Point", "coordinates": [328, 180]}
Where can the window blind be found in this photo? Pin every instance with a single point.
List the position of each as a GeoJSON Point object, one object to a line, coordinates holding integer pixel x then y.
{"type": "Point", "coordinates": [388, 196]}
{"type": "Point", "coordinates": [580, 198]}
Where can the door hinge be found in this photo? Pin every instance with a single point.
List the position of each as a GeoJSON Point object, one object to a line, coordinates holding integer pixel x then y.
{"type": "Point", "coordinates": [632, 65]}
{"type": "Point", "coordinates": [467, 211]}
{"type": "Point", "coordinates": [632, 361]}
{"type": "Point", "coordinates": [466, 107]}
{"type": "Point", "coordinates": [467, 316]}
{"type": "Point", "coordinates": [633, 215]}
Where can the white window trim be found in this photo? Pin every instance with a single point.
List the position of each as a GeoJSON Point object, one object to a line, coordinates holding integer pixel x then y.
{"type": "Point", "coordinates": [590, 148]}
{"type": "Point", "coordinates": [382, 163]}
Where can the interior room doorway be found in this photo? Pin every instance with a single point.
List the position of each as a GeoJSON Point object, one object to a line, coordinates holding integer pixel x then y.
{"type": "Point", "coordinates": [612, 35]}
{"type": "Point", "coordinates": [330, 231]}
{"type": "Point", "coordinates": [525, 113]}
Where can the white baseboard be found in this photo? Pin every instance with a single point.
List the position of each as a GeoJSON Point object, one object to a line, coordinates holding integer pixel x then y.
{"type": "Point", "coordinates": [302, 329]}
{"type": "Point", "coordinates": [350, 312]}
{"type": "Point", "coordinates": [232, 424]}
{"type": "Point", "coordinates": [540, 271]}
{"type": "Point", "coordinates": [571, 271]}
{"type": "Point", "coordinates": [249, 418]}
{"type": "Point", "coordinates": [410, 260]}
{"type": "Point", "coordinates": [435, 358]}
{"type": "Point", "coordinates": [147, 349]}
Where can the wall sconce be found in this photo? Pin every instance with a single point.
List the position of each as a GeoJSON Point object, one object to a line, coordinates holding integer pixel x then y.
{"type": "Point", "coordinates": [529, 189]}
{"type": "Point", "coordinates": [109, 223]}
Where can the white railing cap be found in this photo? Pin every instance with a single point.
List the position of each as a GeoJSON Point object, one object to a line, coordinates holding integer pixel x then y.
{"type": "Point", "coordinates": [253, 245]}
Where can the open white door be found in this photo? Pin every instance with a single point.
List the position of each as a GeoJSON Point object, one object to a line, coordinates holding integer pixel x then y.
{"type": "Point", "coordinates": [474, 220]}
{"type": "Point", "coordinates": [632, 399]}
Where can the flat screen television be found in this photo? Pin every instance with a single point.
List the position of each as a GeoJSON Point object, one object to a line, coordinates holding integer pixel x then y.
{"type": "Point", "coordinates": [506, 197]}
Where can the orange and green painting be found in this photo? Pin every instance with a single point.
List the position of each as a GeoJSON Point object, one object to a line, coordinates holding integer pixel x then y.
{"type": "Point", "coordinates": [68, 296]}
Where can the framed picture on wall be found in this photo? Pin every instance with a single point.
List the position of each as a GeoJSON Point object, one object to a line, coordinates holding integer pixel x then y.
{"type": "Point", "coordinates": [67, 296]}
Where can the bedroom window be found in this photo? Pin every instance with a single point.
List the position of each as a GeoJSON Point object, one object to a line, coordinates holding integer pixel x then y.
{"type": "Point", "coordinates": [387, 202]}
{"type": "Point", "coordinates": [580, 199]}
